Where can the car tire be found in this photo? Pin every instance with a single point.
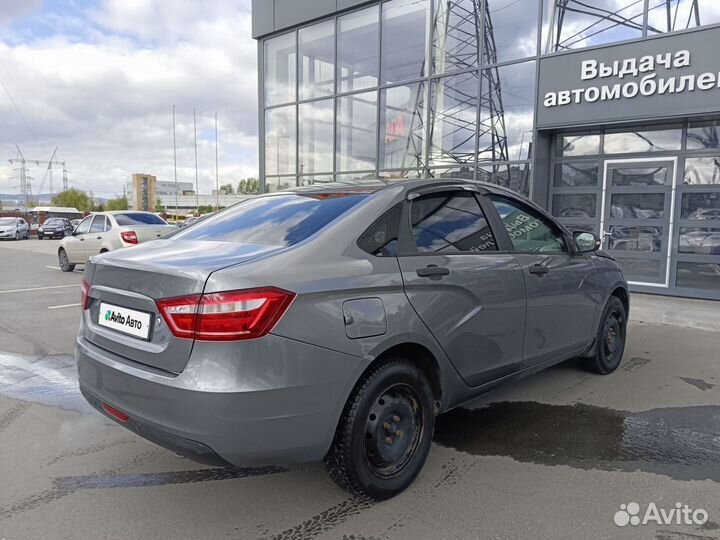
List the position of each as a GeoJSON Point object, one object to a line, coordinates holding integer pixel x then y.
{"type": "Point", "coordinates": [17, 236]}
{"type": "Point", "coordinates": [40, 237]}
{"type": "Point", "coordinates": [64, 261]}
{"type": "Point", "coordinates": [610, 339]}
{"type": "Point", "coordinates": [385, 431]}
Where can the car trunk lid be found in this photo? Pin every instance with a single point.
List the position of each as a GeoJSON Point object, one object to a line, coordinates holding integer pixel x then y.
{"type": "Point", "coordinates": [133, 279]}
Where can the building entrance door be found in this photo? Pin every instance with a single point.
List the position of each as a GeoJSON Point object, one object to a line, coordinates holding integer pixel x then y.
{"type": "Point", "coordinates": [636, 217]}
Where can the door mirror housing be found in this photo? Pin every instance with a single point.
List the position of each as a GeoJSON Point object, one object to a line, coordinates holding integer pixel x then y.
{"type": "Point", "coordinates": [586, 242]}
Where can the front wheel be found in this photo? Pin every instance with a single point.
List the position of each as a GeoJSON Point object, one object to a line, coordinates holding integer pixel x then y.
{"type": "Point", "coordinates": [610, 340]}
{"type": "Point", "coordinates": [17, 236]}
{"type": "Point", "coordinates": [384, 435]}
{"type": "Point", "coordinates": [64, 261]}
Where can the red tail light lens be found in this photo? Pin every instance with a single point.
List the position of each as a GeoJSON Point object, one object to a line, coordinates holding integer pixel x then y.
{"type": "Point", "coordinates": [84, 298]}
{"type": "Point", "coordinates": [226, 316]}
{"type": "Point", "coordinates": [129, 237]}
{"type": "Point", "coordinates": [112, 411]}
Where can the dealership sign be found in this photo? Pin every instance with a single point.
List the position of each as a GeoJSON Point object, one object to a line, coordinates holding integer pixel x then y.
{"type": "Point", "coordinates": [671, 75]}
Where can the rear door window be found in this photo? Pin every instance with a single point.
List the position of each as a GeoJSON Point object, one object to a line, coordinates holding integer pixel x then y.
{"type": "Point", "coordinates": [450, 222]}
{"type": "Point", "coordinates": [138, 218]}
{"type": "Point", "coordinates": [282, 220]}
{"type": "Point", "coordinates": [98, 224]}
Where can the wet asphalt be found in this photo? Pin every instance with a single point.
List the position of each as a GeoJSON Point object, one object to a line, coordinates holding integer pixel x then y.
{"type": "Point", "coordinates": [553, 456]}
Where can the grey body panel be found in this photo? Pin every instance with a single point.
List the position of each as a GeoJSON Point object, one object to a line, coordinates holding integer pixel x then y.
{"type": "Point", "coordinates": [278, 398]}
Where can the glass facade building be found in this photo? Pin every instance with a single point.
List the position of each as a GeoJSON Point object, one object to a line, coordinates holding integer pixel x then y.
{"type": "Point", "coordinates": [451, 88]}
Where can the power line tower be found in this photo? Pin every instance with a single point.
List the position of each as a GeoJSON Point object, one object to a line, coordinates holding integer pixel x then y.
{"type": "Point", "coordinates": [25, 185]}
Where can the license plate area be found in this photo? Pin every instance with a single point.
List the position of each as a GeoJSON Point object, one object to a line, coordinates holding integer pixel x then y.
{"type": "Point", "coordinates": [125, 320]}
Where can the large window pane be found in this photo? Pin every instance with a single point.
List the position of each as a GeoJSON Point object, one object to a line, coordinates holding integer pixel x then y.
{"type": "Point", "coordinates": [699, 240]}
{"type": "Point", "coordinates": [357, 132]}
{"type": "Point", "coordinates": [456, 35]}
{"type": "Point", "coordinates": [699, 275]}
{"type": "Point", "coordinates": [506, 113]}
{"type": "Point", "coordinates": [704, 170]}
{"type": "Point", "coordinates": [316, 47]}
{"type": "Point", "coordinates": [672, 15]}
{"type": "Point", "coordinates": [637, 205]}
{"type": "Point", "coordinates": [511, 29]}
{"type": "Point", "coordinates": [357, 49]}
{"type": "Point", "coordinates": [640, 176]}
{"type": "Point", "coordinates": [574, 24]}
{"type": "Point", "coordinates": [701, 206]}
{"type": "Point", "coordinates": [578, 145]}
{"type": "Point", "coordinates": [279, 183]}
{"type": "Point", "coordinates": [701, 135]}
{"type": "Point", "coordinates": [279, 70]}
{"type": "Point", "coordinates": [404, 39]}
{"type": "Point", "coordinates": [402, 126]}
{"type": "Point", "coordinates": [658, 140]}
{"type": "Point", "coordinates": [315, 128]}
{"type": "Point", "coordinates": [630, 238]}
{"type": "Point", "coordinates": [582, 205]}
{"type": "Point", "coordinates": [453, 124]}
{"type": "Point", "coordinates": [581, 174]}
{"type": "Point", "coordinates": [515, 176]}
{"type": "Point", "coordinates": [280, 140]}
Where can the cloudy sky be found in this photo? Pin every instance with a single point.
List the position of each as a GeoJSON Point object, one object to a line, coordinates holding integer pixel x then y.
{"type": "Point", "coordinates": [98, 79]}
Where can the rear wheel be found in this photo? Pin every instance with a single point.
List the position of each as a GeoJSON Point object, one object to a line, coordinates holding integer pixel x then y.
{"type": "Point", "coordinates": [64, 261]}
{"type": "Point", "coordinates": [384, 435]}
{"type": "Point", "coordinates": [610, 339]}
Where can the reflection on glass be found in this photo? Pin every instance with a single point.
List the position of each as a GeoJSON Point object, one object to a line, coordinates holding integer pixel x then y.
{"type": "Point", "coordinates": [464, 172]}
{"type": "Point", "coordinates": [705, 170]}
{"type": "Point", "coordinates": [401, 175]}
{"type": "Point", "coordinates": [642, 269]}
{"type": "Point", "coordinates": [699, 240]}
{"type": "Point", "coordinates": [279, 70]}
{"type": "Point", "coordinates": [515, 176]}
{"type": "Point", "coordinates": [356, 178]}
{"type": "Point", "coordinates": [316, 47]}
{"type": "Point", "coordinates": [357, 50]}
{"type": "Point", "coordinates": [453, 113]}
{"type": "Point", "coordinates": [698, 275]}
{"type": "Point", "coordinates": [578, 145]}
{"type": "Point", "coordinates": [402, 126]}
{"type": "Point", "coordinates": [660, 140]}
{"type": "Point", "coordinates": [315, 127]}
{"type": "Point", "coordinates": [575, 206]}
{"type": "Point", "coordinates": [450, 223]}
{"type": "Point", "coordinates": [701, 206]}
{"type": "Point", "coordinates": [579, 174]}
{"type": "Point", "coordinates": [701, 135]}
{"type": "Point", "coordinates": [510, 30]}
{"type": "Point", "coordinates": [672, 15]}
{"type": "Point", "coordinates": [640, 176]}
{"type": "Point", "coordinates": [356, 131]}
{"type": "Point", "coordinates": [279, 183]}
{"type": "Point", "coordinates": [280, 140]}
{"type": "Point", "coordinates": [574, 24]}
{"type": "Point", "coordinates": [506, 112]}
{"type": "Point", "coordinates": [626, 238]}
{"type": "Point", "coordinates": [637, 206]}
{"type": "Point", "coordinates": [315, 179]}
{"type": "Point", "coordinates": [587, 227]}
{"type": "Point", "coordinates": [404, 39]}
{"type": "Point", "coordinates": [456, 35]}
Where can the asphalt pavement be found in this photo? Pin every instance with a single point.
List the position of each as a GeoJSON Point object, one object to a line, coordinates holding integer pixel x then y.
{"type": "Point", "coordinates": [561, 454]}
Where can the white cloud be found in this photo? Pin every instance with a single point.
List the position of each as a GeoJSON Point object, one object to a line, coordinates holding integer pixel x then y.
{"type": "Point", "coordinates": [106, 99]}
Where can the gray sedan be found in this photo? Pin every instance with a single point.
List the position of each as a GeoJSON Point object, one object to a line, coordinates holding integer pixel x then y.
{"type": "Point", "coordinates": [336, 322]}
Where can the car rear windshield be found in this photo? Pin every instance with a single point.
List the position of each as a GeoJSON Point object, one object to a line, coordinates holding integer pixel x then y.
{"type": "Point", "coordinates": [282, 220]}
{"type": "Point", "coordinates": [138, 218]}
{"type": "Point", "coordinates": [7, 221]}
{"type": "Point", "coordinates": [54, 221]}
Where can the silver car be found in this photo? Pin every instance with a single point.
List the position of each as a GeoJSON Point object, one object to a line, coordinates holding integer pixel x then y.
{"type": "Point", "coordinates": [108, 231]}
{"type": "Point", "coordinates": [336, 322]}
{"type": "Point", "coordinates": [14, 228]}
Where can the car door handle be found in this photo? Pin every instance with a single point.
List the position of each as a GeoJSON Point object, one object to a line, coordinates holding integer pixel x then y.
{"type": "Point", "coordinates": [538, 269]}
{"type": "Point", "coordinates": [98, 238]}
{"type": "Point", "coordinates": [433, 270]}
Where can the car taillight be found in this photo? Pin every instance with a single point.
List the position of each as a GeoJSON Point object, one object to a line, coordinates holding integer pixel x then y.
{"type": "Point", "coordinates": [129, 237]}
{"type": "Point", "coordinates": [84, 298]}
{"type": "Point", "coordinates": [226, 316]}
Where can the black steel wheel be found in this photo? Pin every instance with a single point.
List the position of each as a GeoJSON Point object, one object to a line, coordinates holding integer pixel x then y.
{"type": "Point", "coordinates": [64, 261]}
{"type": "Point", "coordinates": [610, 340]}
{"type": "Point", "coordinates": [384, 435]}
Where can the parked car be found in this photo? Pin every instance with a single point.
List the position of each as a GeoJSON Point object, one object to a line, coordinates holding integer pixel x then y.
{"type": "Point", "coordinates": [55, 228]}
{"type": "Point", "coordinates": [14, 228]}
{"type": "Point", "coordinates": [75, 222]}
{"type": "Point", "coordinates": [107, 231]}
{"type": "Point", "coordinates": [336, 321]}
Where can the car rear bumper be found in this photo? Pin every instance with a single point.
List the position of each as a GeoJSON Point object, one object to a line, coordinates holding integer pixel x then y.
{"type": "Point", "coordinates": [285, 413]}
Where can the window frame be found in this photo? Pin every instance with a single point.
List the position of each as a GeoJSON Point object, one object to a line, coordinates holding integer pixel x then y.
{"type": "Point", "coordinates": [89, 220]}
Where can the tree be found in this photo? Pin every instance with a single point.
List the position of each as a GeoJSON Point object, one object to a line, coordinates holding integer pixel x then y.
{"type": "Point", "coordinates": [159, 205]}
{"type": "Point", "coordinates": [205, 209]}
{"type": "Point", "coordinates": [118, 203]}
{"type": "Point", "coordinates": [227, 189]}
{"type": "Point", "coordinates": [73, 198]}
{"type": "Point", "coordinates": [248, 186]}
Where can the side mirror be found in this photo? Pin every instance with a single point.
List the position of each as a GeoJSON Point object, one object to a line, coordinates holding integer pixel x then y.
{"type": "Point", "coordinates": [585, 242]}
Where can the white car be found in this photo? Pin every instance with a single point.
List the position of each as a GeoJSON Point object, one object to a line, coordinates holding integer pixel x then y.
{"type": "Point", "coordinates": [108, 231]}
{"type": "Point", "coordinates": [14, 228]}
